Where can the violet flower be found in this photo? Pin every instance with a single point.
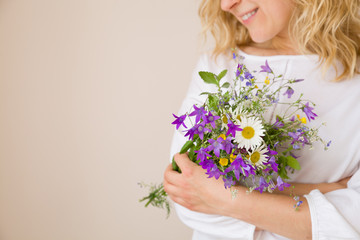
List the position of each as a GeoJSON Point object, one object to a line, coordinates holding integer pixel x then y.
{"type": "Point", "coordinates": [248, 76]}
{"type": "Point", "coordinates": [238, 70]}
{"type": "Point", "coordinates": [270, 151]}
{"type": "Point", "coordinates": [262, 184]}
{"type": "Point", "coordinates": [191, 132]}
{"type": "Point", "coordinates": [179, 121]}
{"type": "Point", "coordinates": [266, 67]}
{"type": "Point", "coordinates": [281, 184]}
{"type": "Point", "coordinates": [228, 146]}
{"type": "Point", "coordinates": [289, 92]}
{"type": "Point", "coordinates": [206, 164]}
{"type": "Point", "coordinates": [295, 136]}
{"type": "Point", "coordinates": [273, 164]}
{"type": "Point", "coordinates": [228, 181]}
{"type": "Point", "coordinates": [232, 128]}
{"type": "Point", "coordinates": [200, 129]}
{"type": "Point", "coordinates": [216, 146]}
{"type": "Point", "coordinates": [202, 154]}
{"type": "Point", "coordinates": [278, 124]}
{"type": "Point", "coordinates": [199, 113]}
{"type": "Point", "coordinates": [211, 119]}
{"type": "Point", "coordinates": [308, 111]}
{"type": "Point", "coordinates": [214, 172]}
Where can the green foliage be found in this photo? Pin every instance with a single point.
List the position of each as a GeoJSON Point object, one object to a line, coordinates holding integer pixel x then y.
{"type": "Point", "coordinates": [221, 75]}
{"type": "Point", "coordinates": [292, 162]}
{"type": "Point", "coordinates": [209, 77]}
{"type": "Point", "coordinates": [157, 197]}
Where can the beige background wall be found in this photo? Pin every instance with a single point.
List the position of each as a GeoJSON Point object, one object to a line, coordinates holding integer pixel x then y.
{"type": "Point", "coordinates": [87, 88]}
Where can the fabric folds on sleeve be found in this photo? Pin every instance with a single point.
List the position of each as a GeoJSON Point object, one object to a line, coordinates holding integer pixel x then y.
{"type": "Point", "coordinates": [336, 215]}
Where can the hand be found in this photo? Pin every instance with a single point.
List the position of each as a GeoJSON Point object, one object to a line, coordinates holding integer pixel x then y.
{"type": "Point", "coordinates": [343, 182]}
{"type": "Point", "coordinates": [192, 189]}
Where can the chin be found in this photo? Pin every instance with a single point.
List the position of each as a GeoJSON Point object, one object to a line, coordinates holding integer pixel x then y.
{"type": "Point", "coordinates": [260, 38]}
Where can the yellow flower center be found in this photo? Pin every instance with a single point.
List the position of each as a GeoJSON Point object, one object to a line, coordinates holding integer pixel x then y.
{"type": "Point", "coordinates": [232, 157]}
{"type": "Point", "coordinates": [223, 136]}
{"type": "Point", "coordinates": [248, 132]}
{"type": "Point", "coordinates": [238, 117]}
{"type": "Point", "coordinates": [255, 157]}
{"type": "Point", "coordinates": [224, 119]}
{"type": "Point", "coordinates": [267, 80]}
{"type": "Point", "coordinates": [224, 161]}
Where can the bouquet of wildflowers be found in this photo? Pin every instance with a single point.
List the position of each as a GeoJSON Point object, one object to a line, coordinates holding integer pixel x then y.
{"type": "Point", "coordinates": [232, 135]}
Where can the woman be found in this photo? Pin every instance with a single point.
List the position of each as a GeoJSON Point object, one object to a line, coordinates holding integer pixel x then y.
{"type": "Point", "coordinates": [317, 40]}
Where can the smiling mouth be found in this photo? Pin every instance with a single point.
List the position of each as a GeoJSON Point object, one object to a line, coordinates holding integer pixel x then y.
{"type": "Point", "coordinates": [248, 15]}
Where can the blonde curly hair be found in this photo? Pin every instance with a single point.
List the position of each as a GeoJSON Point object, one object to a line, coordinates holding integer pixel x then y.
{"type": "Point", "coordinates": [327, 28]}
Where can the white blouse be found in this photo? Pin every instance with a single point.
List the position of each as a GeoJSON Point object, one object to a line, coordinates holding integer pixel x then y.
{"type": "Point", "coordinates": [334, 215]}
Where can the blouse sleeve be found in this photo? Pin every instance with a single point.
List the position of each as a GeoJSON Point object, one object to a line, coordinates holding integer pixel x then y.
{"type": "Point", "coordinates": [336, 215]}
{"type": "Point", "coordinates": [211, 226]}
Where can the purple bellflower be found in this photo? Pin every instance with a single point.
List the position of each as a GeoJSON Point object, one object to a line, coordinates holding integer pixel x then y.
{"type": "Point", "coordinates": [308, 111]}
{"type": "Point", "coordinates": [248, 76]}
{"type": "Point", "coordinates": [191, 132]}
{"type": "Point", "coordinates": [211, 119]}
{"type": "Point", "coordinates": [216, 145]}
{"type": "Point", "coordinates": [228, 181]}
{"type": "Point", "coordinates": [295, 136]}
{"type": "Point", "coordinates": [273, 164]}
{"type": "Point", "coordinates": [262, 184]}
{"type": "Point", "coordinates": [200, 129]}
{"type": "Point", "coordinates": [199, 113]}
{"type": "Point", "coordinates": [238, 70]}
{"type": "Point", "coordinates": [266, 67]}
{"type": "Point", "coordinates": [232, 129]}
{"type": "Point", "coordinates": [228, 146]}
{"type": "Point", "coordinates": [179, 121]}
{"type": "Point", "coordinates": [202, 154]}
{"type": "Point", "coordinates": [278, 124]}
{"type": "Point", "coordinates": [271, 152]}
{"type": "Point", "coordinates": [281, 184]}
{"type": "Point", "coordinates": [289, 92]}
{"type": "Point", "coordinates": [206, 164]}
{"type": "Point", "coordinates": [214, 172]}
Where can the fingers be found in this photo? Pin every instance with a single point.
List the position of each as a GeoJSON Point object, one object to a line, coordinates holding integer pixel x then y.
{"type": "Point", "coordinates": [184, 163]}
{"type": "Point", "coordinates": [171, 176]}
{"type": "Point", "coordinates": [344, 181]}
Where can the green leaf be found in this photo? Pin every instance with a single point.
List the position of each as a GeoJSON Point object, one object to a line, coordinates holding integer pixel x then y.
{"type": "Point", "coordinates": [175, 167]}
{"type": "Point", "coordinates": [186, 146]}
{"type": "Point", "coordinates": [292, 162]}
{"type": "Point", "coordinates": [205, 93]}
{"type": "Point", "coordinates": [213, 102]}
{"type": "Point", "coordinates": [192, 153]}
{"type": "Point", "coordinates": [282, 173]}
{"type": "Point", "coordinates": [221, 75]}
{"type": "Point", "coordinates": [226, 85]}
{"type": "Point", "coordinates": [209, 77]}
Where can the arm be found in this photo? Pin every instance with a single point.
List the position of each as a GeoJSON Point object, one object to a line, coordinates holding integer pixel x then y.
{"type": "Point", "coordinates": [272, 212]}
{"type": "Point", "coordinates": [305, 188]}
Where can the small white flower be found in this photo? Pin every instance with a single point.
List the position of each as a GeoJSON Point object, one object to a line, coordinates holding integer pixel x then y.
{"type": "Point", "coordinates": [258, 157]}
{"type": "Point", "coordinates": [238, 114]}
{"type": "Point", "coordinates": [251, 135]}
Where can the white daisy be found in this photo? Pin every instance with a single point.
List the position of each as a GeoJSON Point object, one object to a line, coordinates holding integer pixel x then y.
{"type": "Point", "coordinates": [238, 114]}
{"type": "Point", "coordinates": [258, 157]}
{"type": "Point", "coordinates": [224, 121]}
{"type": "Point", "coordinates": [250, 136]}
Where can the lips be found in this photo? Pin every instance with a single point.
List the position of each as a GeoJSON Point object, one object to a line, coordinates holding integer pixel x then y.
{"type": "Point", "coordinates": [248, 15]}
